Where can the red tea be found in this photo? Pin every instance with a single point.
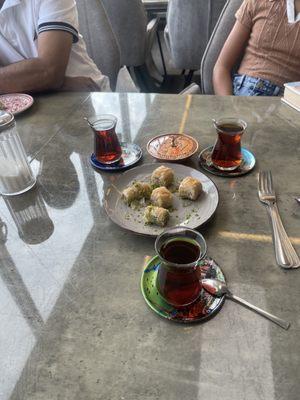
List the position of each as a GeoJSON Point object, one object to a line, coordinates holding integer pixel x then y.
{"type": "Point", "coordinates": [180, 251]}
{"type": "Point", "coordinates": [227, 154]}
{"type": "Point", "coordinates": [179, 285]}
{"type": "Point", "coordinates": [106, 143]}
{"type": "Point", "coordinates": [107, 146]}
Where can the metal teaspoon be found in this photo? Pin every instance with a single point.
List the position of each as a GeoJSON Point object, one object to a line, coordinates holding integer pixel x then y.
{"type": "Point", "coordinates": [218, 288]}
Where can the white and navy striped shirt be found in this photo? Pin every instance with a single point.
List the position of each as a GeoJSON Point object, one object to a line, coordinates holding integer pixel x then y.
{"type": "Point", "coordinates": [21, 21]}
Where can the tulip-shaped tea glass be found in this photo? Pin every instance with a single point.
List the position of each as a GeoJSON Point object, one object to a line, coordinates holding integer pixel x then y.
{"type": "Point", "coordinates": [227, 152]}
{"type": "Point", "coordinates": [179, 276]}
{"type": "Point", "coordinates": [107, 147]}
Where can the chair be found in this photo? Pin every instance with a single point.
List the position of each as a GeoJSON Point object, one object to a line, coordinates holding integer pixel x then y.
{"type": "Point", "coordinates": [189, 25]}
{"type": "Point", "coordinates": [135, 37]}
{"type": "Point", "coordinates": [102, 43]}
{"type": "Point", "coordinates": [222, 29]}
{"type": "Point", "coordinates": [100, 40]}
{"type": "Point", "coordinates": [129, 23]}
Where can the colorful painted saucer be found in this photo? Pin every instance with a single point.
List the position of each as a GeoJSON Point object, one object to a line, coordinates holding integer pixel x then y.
{"type": "Point", "coordinates": [202, 309]}
{"type": "Point", "coordinates": [15, 103]}
{"type": "Point", "coordinates": [248, 163]}
{"type": "Point", "coordinates": [131, 155]}
{"type": "Point", "coordinates": [172, 147]}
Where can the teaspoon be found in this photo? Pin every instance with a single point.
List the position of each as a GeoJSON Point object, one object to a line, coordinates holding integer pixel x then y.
{"type": "Point", "coordinates": [87, 120]}
{"type": "Point", "coordinates": [218, 288]}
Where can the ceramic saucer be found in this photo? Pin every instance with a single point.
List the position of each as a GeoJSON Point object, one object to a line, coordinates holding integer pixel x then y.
{"type": "Point", "coordinates": [16, 103]}
{"type": "Point", "coordinates": [131, 155]}
{"type": "Point", "coordinates": [248, 163]}
{"type": "Point", "coordinates": [172, 147]}
{"type": "Point", "coordinates": [202, 309]}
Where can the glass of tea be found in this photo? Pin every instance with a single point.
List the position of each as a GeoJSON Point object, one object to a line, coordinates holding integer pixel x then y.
{"type": "Point", "coordinates": [227, 152]}
{"type": "Point", "coordinates": [179, 275]}
{"type": "Point", "coordinates": [107, 147]}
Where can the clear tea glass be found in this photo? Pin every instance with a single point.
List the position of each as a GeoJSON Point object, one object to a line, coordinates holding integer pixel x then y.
{"type": "Point", "coordinates": [179, 276]}
{"type": "Point", "coordinates": [227, 151]}
{"type": "Point", "coordinates": [107, 147]}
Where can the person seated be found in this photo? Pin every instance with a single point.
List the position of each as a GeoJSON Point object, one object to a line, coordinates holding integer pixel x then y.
{"type": "Point", "coordinates": [266, 38]}
{"type": "Point", "coordinates": [41, 49]}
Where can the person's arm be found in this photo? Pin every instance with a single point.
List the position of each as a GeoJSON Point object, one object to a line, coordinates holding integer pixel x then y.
{"type": "Point", "coordinates": [229, 56]}
{"type": "Point", "coordinates": [46, 72]}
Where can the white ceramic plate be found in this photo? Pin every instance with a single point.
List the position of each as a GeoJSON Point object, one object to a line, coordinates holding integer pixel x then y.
{"type": "Point", "coordinates": [187, 213]}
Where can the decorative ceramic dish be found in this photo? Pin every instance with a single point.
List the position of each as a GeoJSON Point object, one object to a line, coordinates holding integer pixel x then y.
{"type": "Point", "coordinates": [16, 103]}
{"type": "Point", "coordinates": [172, 147]}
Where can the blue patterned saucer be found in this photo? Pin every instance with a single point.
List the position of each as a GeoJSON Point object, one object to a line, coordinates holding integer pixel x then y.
{"type": "Point", "coordinates": [248, 163]}
{"type": "Point", "coordinates": [131, 155]}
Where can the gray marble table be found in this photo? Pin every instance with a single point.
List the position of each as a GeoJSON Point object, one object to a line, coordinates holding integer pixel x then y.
{"type": "Point", "coordinates": [73, 322]}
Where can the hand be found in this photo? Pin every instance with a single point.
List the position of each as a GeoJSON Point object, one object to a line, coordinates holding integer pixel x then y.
{"type": "Point", "coordinates": [79, 84]}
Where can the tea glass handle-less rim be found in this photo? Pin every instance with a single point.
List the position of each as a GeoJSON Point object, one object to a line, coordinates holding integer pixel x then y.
{"type": "Point", "coordinates": [228, 120]}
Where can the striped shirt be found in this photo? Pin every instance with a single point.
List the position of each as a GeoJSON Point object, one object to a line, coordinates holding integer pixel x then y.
{"type": "Point", "coordinates": [21, 21]}
{"type": "Point", "coordinates": [273, 50]}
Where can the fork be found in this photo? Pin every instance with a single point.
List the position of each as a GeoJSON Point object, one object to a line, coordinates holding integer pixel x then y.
{"type": "Point", "coordinates": [286, 255]}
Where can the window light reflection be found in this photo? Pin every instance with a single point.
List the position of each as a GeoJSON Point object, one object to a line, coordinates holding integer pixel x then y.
{"type": "Point", "coordinates": [185, 114]}
{"type": "Point", "coordinates": [253, 237]}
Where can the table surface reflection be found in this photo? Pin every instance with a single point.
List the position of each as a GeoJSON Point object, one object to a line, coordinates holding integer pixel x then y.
{"type": "Point", "coordinates": [165, 2]}
{"type": "Point", "coordinates": [73, 322]}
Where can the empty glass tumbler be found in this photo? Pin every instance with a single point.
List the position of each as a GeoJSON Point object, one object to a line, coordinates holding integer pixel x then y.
{"type": "Point", "coordinates": [16, 175]}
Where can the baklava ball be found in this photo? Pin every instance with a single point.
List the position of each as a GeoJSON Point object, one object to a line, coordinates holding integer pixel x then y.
{"type": "Point", "coordinates": [162, 176]}
{"type": "Point", "coordinates": [190, 188]}
{"type": "Point", "coordinates": [161, 197]}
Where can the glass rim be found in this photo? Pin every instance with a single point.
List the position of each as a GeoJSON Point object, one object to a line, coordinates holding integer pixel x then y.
{"type": "Point", "coordinates": [7, 120]}
{"type": "Point", "coordinates": [236, 120]}
{"type": "Point", "coordinates": [99, 117]}
{"type": "Point", "coordinates": [177, 230]}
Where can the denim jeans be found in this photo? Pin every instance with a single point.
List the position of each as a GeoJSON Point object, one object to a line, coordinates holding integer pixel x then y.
{"type": "Point", "coordinates": [244, 85]}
